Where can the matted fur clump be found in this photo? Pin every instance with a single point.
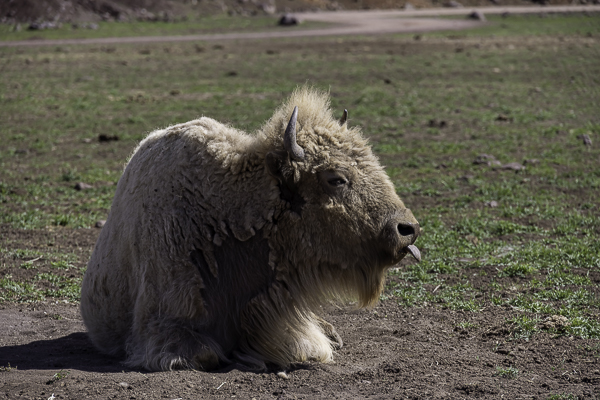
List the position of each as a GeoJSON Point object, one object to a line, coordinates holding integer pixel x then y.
{"type": "Point", "coordinates": [221, 246]}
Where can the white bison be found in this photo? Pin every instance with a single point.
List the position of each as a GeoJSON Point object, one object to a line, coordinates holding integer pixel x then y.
{"type": "Point", "coordinates": [221, 246]}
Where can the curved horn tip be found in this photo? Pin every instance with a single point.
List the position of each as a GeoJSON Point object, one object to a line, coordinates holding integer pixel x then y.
{"type": "Point", "coordinates": [289, 138]}
{"type": "Point", "coordinates": [344, 118]}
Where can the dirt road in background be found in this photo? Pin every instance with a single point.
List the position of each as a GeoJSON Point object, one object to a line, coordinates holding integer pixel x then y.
{"type": "Point", "coordinates": [343, 23]}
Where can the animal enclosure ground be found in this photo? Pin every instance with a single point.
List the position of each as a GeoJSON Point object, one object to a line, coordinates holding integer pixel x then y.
{"type": "Point", "coordinates": [506, 300]}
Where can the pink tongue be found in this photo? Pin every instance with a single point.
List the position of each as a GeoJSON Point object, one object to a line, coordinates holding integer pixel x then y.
{"type": "Point", "coordinates": [412, 249]}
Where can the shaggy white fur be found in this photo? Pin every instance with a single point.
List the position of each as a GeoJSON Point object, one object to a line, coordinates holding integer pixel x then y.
{"type": "Point", "coordinates": [220, 248]}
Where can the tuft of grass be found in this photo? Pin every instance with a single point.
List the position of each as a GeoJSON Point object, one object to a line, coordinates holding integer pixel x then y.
{"type": "Point", "coordinates": [466, 325]}
{"type": "Point", "coordinates": [563, 396]}
{"type": "Point", "coordinates": [62, 374]}
{"type": "Point", "coordinates": [8, 368]}
{"type": "Point", "coordinates": [523, 326]}
{"type": "Point", "coordinates": [517, 270]}
{"type": "Point", "coordinates": [61, 265]}
{"type": "Point", "coordinates": [507, 372]}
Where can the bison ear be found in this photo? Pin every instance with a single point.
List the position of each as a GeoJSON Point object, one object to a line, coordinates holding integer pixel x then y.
{"type": "Point", "coordinates": [275, 161]}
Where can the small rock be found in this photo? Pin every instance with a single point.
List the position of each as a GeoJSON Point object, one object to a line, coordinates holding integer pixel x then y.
{"type": "Point", "coordinates": [40, 26]}
{"type": "Point", "coordinates": [503, 118]}
{"type": "Point", "coordinates": [586, 140]}
{"type": "Point", "coordinates": [477, 15]}
{"type": "Point", "coordinates": [100, 224]}
{"type": "Point", "coordinates": [82, 186]}
{"type": "Point", "coordinates": [492, 204]}
{"type": "Point", "coordinates": [515, 166]}
{"type": "Point", "coordinates": [107, 138]}
{"type": "Point", "coordinates": [288, 20]}
{"type": "Point", "coordinates": [556, 322]}
{"type": "Point", "coordinates": [484, 159]}
{"type": "Point", "coordinates": [473, 239]}
{"type": "Point", "coordinates": [283, 375]}
{"type": "Point", "coordinates": [453, 4]}
{"type": "Point", "coordinates": [434, 123]}
{"type": "Point", "coordinates": [124, 385]}
{"type": "Point", "coordinates": [269, 9]}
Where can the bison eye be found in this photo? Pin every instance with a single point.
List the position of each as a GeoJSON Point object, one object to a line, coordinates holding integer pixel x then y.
{"type": "Point", "coordinates": [338, 181]}
{"type": "Point", "coordinates": [333, 181]}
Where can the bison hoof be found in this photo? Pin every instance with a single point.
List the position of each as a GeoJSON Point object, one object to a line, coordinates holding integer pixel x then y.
{"type": "Point", "coordinates": [336, 340]}
{"type": "Point", "coordinates": [331, 333]}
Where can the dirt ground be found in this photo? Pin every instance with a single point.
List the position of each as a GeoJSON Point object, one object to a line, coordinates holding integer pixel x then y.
{"type": "Point", "coordinates": [389, 353]}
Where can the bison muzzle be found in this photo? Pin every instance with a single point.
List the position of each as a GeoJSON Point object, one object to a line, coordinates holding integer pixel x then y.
{"type": "Point", "coordinates": [221, 246]}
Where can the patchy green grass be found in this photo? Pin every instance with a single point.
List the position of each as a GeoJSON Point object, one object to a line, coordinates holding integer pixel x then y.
{"type": "Point", "coordinates": [524, 242]}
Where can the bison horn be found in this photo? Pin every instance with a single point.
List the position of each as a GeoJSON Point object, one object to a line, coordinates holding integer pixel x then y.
{"type": "Point", "coordinates": [344, 117]}
{"type": "Point", "coordinates": [289, 138]}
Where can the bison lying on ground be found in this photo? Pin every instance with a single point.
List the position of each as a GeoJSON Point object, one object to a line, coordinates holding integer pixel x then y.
{"type": "Point", "coordinates": [221, 246]}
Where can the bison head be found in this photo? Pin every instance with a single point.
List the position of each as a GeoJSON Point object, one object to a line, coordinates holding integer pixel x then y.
{"type": "Point", "coordinates": [345, 224]}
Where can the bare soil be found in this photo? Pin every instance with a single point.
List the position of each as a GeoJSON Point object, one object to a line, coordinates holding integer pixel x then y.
{"type": "Point", "coordinates": [389, 352]}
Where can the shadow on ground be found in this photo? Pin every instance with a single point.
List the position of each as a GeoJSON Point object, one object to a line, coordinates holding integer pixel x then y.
{"type": "Point", "coordinates": [74, 351]}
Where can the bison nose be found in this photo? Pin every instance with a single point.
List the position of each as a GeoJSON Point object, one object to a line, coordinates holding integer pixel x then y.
{"type": "Point", "coordinates": [400, 231]}
{"type": "Point", "coordinates": [409, 232]}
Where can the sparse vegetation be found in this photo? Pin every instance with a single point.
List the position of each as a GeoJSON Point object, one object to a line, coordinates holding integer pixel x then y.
{"type": "Point", "coordinates": [62, 374]}
{"type": "Point", "coordinates": [7, 368]}
{"type": "Point", "coordinates": [517, 246]}
{"type": "Point", "coordinates": [507, 372]}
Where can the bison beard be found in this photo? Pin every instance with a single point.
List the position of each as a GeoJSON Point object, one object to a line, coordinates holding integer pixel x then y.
{"type": "Point", "coordinates": [221, 246]}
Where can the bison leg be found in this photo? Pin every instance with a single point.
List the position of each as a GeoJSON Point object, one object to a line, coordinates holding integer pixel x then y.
{"type": "Point", "coordinates": [331, 333]}
{"type": "Point", "coordinates": [171, 345]}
